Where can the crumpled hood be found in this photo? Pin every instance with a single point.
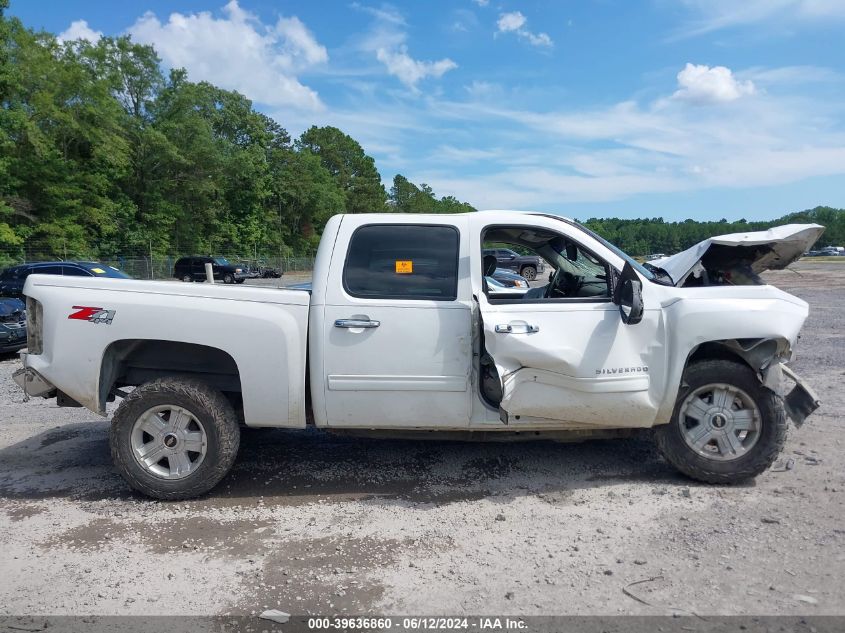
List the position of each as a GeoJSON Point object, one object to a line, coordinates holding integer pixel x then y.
{"type": "Point", "coordinates": [773, 249]}
{"type": "Point", "coordinates": [10, 306]}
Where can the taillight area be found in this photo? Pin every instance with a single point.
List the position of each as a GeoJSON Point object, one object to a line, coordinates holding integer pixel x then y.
{"type": "Point", "coordinates": [34, 326]}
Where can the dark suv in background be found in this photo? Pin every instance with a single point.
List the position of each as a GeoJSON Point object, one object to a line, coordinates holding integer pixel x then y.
{"type": "Point", "coordinates": [193, 269]}
{"type": "Point", "coordinates": [526, 265]}
{"type": "Point", "coordinates": [13, 278]}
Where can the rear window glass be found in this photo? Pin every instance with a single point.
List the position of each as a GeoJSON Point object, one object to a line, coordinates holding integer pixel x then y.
{"type": "Point", "coordinates": [403, 261]}
{"type": "Point", "coordinates": [73, 271]}
{"type": "Point", "coordinates": [46, 270]}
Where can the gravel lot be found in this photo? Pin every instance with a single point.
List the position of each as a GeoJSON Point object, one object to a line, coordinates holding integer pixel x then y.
{"type": "Point", "coordinates": [310, 523]}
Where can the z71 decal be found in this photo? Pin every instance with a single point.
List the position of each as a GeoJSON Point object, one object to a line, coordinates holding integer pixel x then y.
{"type": "Point", "coordinates": [93, 315]}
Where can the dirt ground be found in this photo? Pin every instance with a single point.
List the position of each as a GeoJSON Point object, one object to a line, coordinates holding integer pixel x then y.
{"type": "Point", "coordinates": [311, 523]}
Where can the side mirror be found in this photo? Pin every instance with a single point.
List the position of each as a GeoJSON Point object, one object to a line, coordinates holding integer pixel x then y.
{"type": "Point", "coordinates": [631, 304]}
{"type": "Point", "coordinates": [628, 295]}
{"type": "Point", "coordinates": [571, 251]}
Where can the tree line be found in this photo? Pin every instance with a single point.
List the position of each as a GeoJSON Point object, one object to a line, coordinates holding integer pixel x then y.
{"type": "Point", "coordinates": [102, 153]}
{"type": "Point", "coordinates": [655, 235]}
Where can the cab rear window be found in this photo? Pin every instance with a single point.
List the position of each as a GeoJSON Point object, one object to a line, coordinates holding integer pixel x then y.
{"type": "Point", "coordinates": [403, 261]}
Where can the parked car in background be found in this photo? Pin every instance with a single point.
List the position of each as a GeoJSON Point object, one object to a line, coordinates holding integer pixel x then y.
{"type": "Point", "coordinates": [500, 290]}
{"type": "Point", "coordinates": [654, 256]}
{"type": "Point", "coordinates": [248, 271]}
{"type": "Point", "coordinates": [529, 266]}
{"type": "Point", "coordinates": [12, 325]}
{"type": "Point", "coordinates": [268, 272]}
{"type": "Point", "coordinates": [509, 279]}
{"type": "Point", "coordinates": [193, 269]}
{"type": "Point", "coordinates": [13, 278]}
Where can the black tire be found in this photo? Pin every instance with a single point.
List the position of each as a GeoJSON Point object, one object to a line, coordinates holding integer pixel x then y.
{"type": "Point", "coordinates": [208, 405]}
{"type": "Point", "coordinates": [772, 433]}
{"type": "Point", "coordinates": [239, 281]}
{"type": "Point", "coordinates": [187, 278]}
{"type": "Point", "coordinates": [529, 273]}
{"type": "Point", "coordinates": [228, 279]}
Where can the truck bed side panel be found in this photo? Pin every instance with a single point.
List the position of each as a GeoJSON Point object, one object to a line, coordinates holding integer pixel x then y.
{"type": "Point", "coordinates": [263, 330]}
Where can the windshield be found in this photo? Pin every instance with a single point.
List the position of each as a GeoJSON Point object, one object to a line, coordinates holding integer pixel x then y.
{"type": "Point", "coordinates": [104, 270]}
{"type": "Point", "coordinates": [221, 261]}
{"type": "Point", "coordinates": [645, 272]}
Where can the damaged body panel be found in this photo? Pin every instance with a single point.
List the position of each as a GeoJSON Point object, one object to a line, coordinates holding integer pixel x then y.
{"type": "Point", "coordinates": [739, 258]}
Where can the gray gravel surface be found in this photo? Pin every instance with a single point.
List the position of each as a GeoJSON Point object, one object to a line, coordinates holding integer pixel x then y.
{"type": "Point", "coordinates": [311, 523]}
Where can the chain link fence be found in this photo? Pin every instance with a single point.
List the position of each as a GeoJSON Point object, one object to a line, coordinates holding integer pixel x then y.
{"type": "Point", "coordinates": [144, 266]}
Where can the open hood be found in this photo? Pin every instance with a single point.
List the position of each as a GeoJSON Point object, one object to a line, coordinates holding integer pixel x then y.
{"type": "Point", "coordinates": [739, 257]}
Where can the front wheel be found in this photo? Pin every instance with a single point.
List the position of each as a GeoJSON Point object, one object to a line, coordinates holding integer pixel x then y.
{"type": "Point", "coordinates": [529, 273]}
{"type": "Point", "coordinates": [174, 438]}
{"type": "Point", "coordinates": [726, 427]}
{"type": "Point", "coordinates": [187, 278]}
{"type": "Point", "coordinates": [228, 279]}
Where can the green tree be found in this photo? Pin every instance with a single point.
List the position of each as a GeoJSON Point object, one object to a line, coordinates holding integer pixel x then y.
{"type": "Point", "coordinates": [353, 171]}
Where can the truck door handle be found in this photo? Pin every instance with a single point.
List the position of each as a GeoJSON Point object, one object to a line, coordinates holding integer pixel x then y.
{"type": "Point", "coordinates": [517, 328]}
{"type": "Point", "coordinates": [353, 323]}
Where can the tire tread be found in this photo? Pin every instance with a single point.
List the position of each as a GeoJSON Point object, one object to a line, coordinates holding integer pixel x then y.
{"type": "Point", "coordinates": [226, 425]}
{"type": "Point", "coordinates": [762, 456]}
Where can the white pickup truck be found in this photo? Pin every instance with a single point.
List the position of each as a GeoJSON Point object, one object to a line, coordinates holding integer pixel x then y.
{"type": "Point", "coordinates": [399, 334]}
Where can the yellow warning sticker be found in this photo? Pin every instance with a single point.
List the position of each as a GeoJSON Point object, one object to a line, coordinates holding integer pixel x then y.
{"type": "Point", "coordinates": [99, 271]}
{"type": "Point", "coordinates": [404, 267]}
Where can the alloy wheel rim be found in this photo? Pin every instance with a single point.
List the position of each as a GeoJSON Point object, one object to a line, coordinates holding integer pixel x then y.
{"type": "Point", "coordinates": [168, 442]}
{"type": "Point", "coordinates": [720, 421]}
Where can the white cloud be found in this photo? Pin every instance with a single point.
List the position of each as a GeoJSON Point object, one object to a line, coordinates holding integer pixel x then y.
{"type": "Point", "coordinates": [238, 52]}
{"type": "Point", "coordinates": [387, 40]}
{"type": "Point", "coordinates": [481, 3]}
{"type": "Point", "coordinates": [79, 30]}
{"type": "Point", "coordinates": [514, 22]}
{"type": "Point", "coordinates": [720, 14]}
{"type": "Point", "coordinates": [518, 158]}
{"type": "Point", "coordinates": [299, 43]}
{"type": "Point", "coordinates": [704, 84]}
{"type": "Point", "coordinates": [408, 70]}
{"type": "Point", "coordinates": [792, 75]}
{"type": "Point", "coordinates": [511, 21]}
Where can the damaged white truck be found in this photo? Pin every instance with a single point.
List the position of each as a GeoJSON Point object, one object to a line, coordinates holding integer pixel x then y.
{"type": "Point", "coordinates": [399, 334]}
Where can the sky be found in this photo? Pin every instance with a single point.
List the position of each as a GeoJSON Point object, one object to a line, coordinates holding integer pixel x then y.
{"type": "Point", "coordinates": [701, 109]}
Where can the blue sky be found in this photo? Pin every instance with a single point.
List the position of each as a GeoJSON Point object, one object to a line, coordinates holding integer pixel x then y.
{"type": "Point", "coordinates": [679, 108]}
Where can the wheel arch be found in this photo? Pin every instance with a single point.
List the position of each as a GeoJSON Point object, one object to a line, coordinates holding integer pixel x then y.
{"type": "Point", "coordinates": [756, 353]}
{"type": "Point", "coordinates": [131, 362]}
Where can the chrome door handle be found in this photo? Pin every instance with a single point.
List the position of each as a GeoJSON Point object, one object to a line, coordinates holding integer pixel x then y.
{"type": "Point", "coordinates": [519, 328]}
{"type": "Point", "coordinates": [353, 323]}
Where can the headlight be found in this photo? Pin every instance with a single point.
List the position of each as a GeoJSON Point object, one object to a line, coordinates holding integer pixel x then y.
{"type": "Point", "coordinates": [521, 284]}
{"type": "Point", "coordinates": [237, 270]}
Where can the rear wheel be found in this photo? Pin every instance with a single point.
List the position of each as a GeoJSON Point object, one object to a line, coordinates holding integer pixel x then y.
{"type": "Point", "coordinates": [529, 273]}
{"type": "Point", "coordinates": [187, 277]}
{"type": "Point", "coordinates": [726, 427]}
{"type": "Point", "coordinates": [174, 438]}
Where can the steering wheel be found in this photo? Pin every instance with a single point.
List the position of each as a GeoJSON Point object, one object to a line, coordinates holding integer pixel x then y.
{"type": "Point", "coordinates": [564, 283]}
